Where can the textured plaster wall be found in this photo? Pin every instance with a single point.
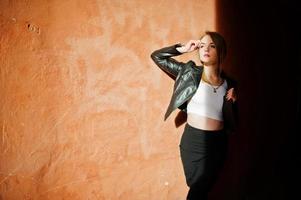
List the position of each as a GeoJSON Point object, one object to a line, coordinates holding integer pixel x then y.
{"type": "Point", "coordinates": [82, 104]}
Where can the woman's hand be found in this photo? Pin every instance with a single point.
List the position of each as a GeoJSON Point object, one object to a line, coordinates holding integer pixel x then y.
{"type": "Point", "coordinates": [189, 46]}
{"type": "Point", "coordinates": [231, 95]}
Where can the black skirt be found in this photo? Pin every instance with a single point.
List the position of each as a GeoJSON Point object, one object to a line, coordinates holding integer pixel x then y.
{"type": "Point", "coordinates": [203, 154]}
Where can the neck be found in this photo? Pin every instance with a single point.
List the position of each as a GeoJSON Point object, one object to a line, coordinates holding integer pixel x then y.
{"type": "Point", "coordinates": [212, 72]}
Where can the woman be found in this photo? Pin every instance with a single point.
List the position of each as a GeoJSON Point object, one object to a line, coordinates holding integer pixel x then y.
{"type": "Point", "coordinates": [208, 97]}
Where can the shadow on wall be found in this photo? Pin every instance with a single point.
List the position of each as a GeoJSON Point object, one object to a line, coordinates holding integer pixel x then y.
{"type": "Point", "coordinates": [264, 56]}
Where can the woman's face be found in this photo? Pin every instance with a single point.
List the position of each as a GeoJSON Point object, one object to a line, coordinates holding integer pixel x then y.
{"type": "Point", "coordinates": [207, 51]}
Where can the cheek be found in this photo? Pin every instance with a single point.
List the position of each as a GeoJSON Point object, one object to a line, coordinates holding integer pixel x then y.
{"type": "Point", "coordinates": [214, 53]}
{"type": "Point", "coordinates": [200, 54]}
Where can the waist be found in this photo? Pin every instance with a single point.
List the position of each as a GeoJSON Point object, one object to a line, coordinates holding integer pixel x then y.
{"type": "Point", "coordinates": [204, 123]}
{"type": "Point", "coordinates": [200, 132]}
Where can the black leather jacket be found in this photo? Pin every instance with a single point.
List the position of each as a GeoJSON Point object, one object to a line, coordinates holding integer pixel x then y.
{"type": "Point", "coordinates": [187, 77]}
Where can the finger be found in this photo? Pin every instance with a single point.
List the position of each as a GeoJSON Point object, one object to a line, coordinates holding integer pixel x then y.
{"type": "Point", "coordinates": [194, 45]}
{"type": "Point", "coordinates": [191, 42]}
{"type": "Point", "coordinates": [194, 42]}
{"type": "Point", "coordinates": [198, 43]}
{"type": "Point", "coordinates": [190, 48]}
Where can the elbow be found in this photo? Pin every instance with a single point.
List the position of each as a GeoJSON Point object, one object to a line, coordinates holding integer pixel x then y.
{"type": "Point", "coordinates": [154, 56]}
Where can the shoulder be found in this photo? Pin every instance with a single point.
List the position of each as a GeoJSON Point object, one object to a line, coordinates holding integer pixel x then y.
{"type": "Point", "coordinates": [188, 66]}
{"type": "Point", "coordinates": [230, 80]}
{"type": "Point", "coordinates": [192, 66]}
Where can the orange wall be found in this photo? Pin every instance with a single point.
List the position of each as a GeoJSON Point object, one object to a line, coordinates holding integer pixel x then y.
{"type": "Point", "coordinates": [82, 104]}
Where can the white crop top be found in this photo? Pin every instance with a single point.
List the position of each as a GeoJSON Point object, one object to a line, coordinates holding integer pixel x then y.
{"type": "Point", "coordinates": [206, 102]}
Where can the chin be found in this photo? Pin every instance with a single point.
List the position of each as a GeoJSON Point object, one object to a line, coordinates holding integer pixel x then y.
{"type": "Point", "coordinates": [206, 60]}
{"type": "Point", "coordinates": [209, 63]}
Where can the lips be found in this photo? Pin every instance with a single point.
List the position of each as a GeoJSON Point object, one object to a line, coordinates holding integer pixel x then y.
{"type": "Point", "coordinates": [206, 55]}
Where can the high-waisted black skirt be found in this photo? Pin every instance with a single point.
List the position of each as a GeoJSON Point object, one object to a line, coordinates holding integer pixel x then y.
{"type": "Point", "coordinates": [203, 154]}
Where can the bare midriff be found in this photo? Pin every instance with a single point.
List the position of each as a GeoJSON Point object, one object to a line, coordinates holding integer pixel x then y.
{"type": "Point", "coordinates": [204, 123]}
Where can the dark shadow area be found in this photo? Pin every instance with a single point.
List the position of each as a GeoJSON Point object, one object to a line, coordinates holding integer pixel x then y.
{"type": "Point", "coordinates": [180, 119]}
{"type": "Point", "coordinates": [264, 56]}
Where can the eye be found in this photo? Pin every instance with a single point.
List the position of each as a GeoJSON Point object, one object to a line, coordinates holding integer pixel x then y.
{"type": "Point", "coordinates": [201, 46]}
{"type": "Point", "coordinates": [212, 46]}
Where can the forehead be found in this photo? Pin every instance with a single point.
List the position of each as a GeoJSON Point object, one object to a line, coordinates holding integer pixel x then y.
{"type": "Point", "coordinates": [206, 39]}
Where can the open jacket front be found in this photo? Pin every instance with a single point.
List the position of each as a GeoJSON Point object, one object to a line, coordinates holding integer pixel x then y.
{"type": "Point", "coordinates": [187, 77]}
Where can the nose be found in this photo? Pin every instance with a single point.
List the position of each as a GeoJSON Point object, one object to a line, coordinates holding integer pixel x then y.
{"type": "Point", "coordinates": [206, 49]}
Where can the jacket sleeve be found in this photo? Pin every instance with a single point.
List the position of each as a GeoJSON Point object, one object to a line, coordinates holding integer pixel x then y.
{"type": "Point", "coordinates": [162, 57]}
